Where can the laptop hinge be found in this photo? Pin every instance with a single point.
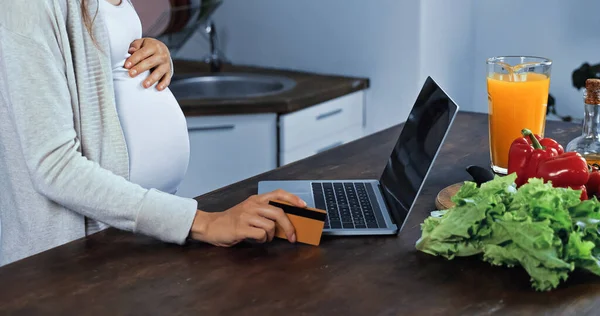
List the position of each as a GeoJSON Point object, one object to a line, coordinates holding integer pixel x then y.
{"type": "Point", "coordinates": [387, 205]}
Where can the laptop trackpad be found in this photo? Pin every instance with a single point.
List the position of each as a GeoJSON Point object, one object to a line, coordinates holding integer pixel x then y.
{"type": "Point", "coordinates": [306, 198]}
{"type": "Point", "coordinates": [300, 188]}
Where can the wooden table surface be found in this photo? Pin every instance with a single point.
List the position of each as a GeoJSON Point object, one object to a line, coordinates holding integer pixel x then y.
{"type": "Point", "coordinates": [117, 273]}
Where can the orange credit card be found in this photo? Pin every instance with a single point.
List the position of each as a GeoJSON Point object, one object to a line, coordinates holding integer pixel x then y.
{"type": "Point", "coordinates": [308, 222]}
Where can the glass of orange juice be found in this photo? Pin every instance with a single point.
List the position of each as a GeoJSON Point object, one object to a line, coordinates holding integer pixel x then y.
{"type": "Point", "coordinates": [518, 88]}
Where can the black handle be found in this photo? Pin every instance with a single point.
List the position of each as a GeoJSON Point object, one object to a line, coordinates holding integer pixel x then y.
{"type": "Point", "coordinates": [211, 128]}
{"type": "Point", "coordinates": [480, 175]}
{"type": "Point", "coordinates": [328, 114]}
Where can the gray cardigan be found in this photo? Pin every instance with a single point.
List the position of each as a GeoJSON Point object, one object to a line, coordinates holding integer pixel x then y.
{"type": "Point", "coordinates": [63, 157]}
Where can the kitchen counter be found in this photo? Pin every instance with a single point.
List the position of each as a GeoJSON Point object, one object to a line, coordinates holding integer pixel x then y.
{"type": "Point", "coordinates": [310, 89]}
{"type": "Point", "coordinates": [114, 272]}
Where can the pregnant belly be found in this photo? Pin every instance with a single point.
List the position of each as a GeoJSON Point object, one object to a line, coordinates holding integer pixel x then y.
{"type": "Point", "coordinates": [156, 134]}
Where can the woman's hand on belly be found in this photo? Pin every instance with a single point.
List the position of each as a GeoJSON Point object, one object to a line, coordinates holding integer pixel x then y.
{"type": "Point", "coordinates": [150, 54]}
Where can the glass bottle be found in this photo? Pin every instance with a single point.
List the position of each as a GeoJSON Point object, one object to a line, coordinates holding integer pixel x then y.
{"type": "Point", "coordinates": [588, 144]}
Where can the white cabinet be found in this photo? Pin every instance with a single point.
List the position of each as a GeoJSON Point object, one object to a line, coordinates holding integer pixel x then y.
{"type": "Point", "coordinates": [227, 149]}
{"type": "Point", "coordinates": [321, 127]}
{"type": "Point", "coordinates": [314, 147]}
{"type": "Point", "coordinates": [230, 148]}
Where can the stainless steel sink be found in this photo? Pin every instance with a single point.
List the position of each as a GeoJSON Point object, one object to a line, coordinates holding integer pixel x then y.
{"type": "Point", "coordinates": [230, 86]}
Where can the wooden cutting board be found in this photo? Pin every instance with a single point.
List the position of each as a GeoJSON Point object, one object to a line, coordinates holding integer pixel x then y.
{"type": "Point", "coordinates": [443, 199]}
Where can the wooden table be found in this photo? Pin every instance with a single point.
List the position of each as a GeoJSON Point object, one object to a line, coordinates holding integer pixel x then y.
{"type": "Point", "coordinates": [118, 273]}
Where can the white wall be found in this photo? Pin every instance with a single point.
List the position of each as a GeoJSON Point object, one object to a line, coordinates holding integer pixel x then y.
{"type": "Point", "coordinates": [564, 31]}
{"type": "Point", "coordinates": [375, 39]}
{"type": "Point", "coordinates": [446, 49]}
{"type": "Point", "coordinates": [397, 44]}
{"type": "Point", "coordinates": [458, 36]}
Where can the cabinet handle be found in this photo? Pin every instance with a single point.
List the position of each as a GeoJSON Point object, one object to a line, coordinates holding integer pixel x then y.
{"type": "Point", "coordinates": [330, 146]}
{"type": "Point", "coordinates": [211, 128]}
{"type": "Point", "coordinates": [328, 114]}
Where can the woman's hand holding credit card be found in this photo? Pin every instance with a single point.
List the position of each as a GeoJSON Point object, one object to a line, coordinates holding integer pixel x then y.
{"type": "Point", "coordinates": [255, 218]}
{"type": "Point", "coordinates": [308, 222]}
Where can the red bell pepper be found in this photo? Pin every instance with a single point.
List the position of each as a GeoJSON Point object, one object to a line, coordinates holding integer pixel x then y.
{"type": "Point", "coordinates": [569, 170]}
{"type": "Point", "coordinates": [549, 142]}
{"type": "Point", "coordinates": [593, 184]}
{"type": "Point", "coordinates": [584, 194]}
{"type": "Point", "coordinates": [527, 152]}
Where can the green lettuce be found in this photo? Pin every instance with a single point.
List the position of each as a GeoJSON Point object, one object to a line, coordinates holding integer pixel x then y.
{"type": "Point", "coordinates": [547, 231]}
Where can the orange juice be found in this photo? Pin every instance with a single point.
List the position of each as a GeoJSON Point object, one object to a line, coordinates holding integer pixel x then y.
{"type": "Point", "coordinates": [516, 101]}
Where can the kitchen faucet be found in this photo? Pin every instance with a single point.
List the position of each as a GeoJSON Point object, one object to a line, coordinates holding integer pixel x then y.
{"type": "Point", "coordinates": [214, 59]}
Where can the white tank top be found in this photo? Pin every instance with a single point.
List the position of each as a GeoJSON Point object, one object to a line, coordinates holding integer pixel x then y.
{"type": "Point", "coordinates": [153, 124]}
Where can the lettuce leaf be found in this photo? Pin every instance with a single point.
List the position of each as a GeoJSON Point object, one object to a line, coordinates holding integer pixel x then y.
{"type": "Point", "coordinates": [547, 231]}
{"type": "Point", "coordinates": [583, 246]}
{"type": "Point", "coordinates": [542, 277]}
{"type": "Point", "coordinates": [533, 245]}
{"type": "Point", "coordinates": [541, 201]}
{"type": "Point", "coordinates": [580, 252]}
{"type": "Point", "coordinates": [456, 232]}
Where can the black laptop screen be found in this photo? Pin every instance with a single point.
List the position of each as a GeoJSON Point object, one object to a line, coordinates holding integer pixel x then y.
{"type": "Point", "coordinates": [414, 153]}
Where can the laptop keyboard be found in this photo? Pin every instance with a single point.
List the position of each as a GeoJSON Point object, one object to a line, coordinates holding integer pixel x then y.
{"type": "Point", "coordinates": [348, 205]}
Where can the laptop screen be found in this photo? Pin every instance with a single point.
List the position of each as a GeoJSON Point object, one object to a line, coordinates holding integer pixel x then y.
{"type": "Point", "coordinates": [421, 137]}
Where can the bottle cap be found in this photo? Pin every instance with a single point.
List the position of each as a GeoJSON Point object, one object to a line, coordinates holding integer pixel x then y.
{"type": "Point", "coordinates": [592, 91]}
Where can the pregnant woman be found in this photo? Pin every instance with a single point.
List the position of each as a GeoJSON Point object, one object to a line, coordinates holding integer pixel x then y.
{"type": "Point", "coordinates": [91, 137]}
{"type": "Point", "coordinates": [153, 124]}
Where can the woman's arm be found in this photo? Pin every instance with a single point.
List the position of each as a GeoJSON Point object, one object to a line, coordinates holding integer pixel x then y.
{"type": "Point", "coordinates": [35, 90]}
{"type": "Point", "coordinates": [36, 94]}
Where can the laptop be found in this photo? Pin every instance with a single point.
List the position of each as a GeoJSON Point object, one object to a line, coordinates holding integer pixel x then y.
{"type": "Point", "coordinates": [381, 206]}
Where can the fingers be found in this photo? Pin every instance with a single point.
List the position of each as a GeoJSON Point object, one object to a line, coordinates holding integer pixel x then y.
{"type": "Point", "coordinates": [283, 196]}
{"type": "Point", "coordinates": [158, 73]}
{"type": "Point", "coordinates": [145, 65]}
{"type": "Point", "coordinates": [135, 45]}
{"type": "Point", "coordinates": [267, 225]}
{"type": "Point", "coordinates": [166, 79]}
{"type": "Point", "coordinates": [150, 54]}
{"type": "Point", "coordinates": [277, 215]}
{"type": "Point", "coordinates": [257, 234]}
{"type": "Point", "coordinates": [137, 57]}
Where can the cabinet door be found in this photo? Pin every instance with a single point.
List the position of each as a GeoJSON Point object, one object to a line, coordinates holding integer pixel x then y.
{"type": "Point", "coordinates": [321, 145]}
{"type": "Point", "coordinates": [320, 121]}
{"type": "Point", "coordinates": [227, 149]}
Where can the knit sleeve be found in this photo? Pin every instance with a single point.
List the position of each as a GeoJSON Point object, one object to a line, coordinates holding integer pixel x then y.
{"type": "Point", "coordinates": [35, 91]}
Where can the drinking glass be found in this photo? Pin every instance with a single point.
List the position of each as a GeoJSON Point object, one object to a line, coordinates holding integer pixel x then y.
{"type": "Point", "coordinates": [518, 88]}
